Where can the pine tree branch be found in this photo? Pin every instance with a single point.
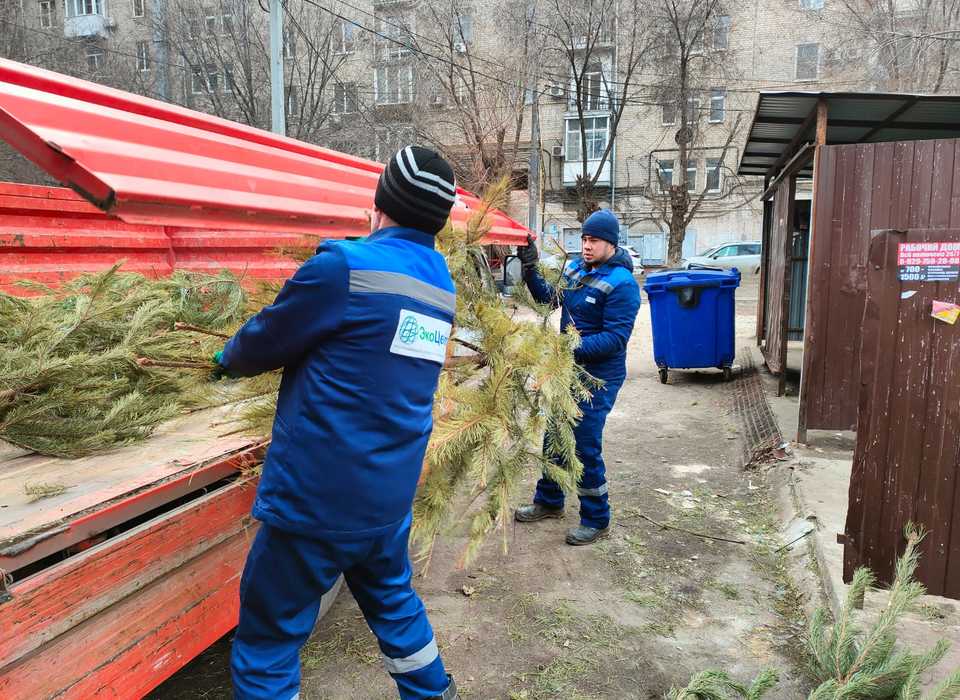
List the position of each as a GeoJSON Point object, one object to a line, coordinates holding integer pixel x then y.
{"type": "Point", "coordinates": [147, 362]}
{"type": "Point", "coordinates": [197, 329]}
{"type": "Point", "coordinates": [689, 532]}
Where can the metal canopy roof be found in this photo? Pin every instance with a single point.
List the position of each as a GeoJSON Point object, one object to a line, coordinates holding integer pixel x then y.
{"type": "Point", "coordinates": [785, 121]}
{"type": "Point", "coordinates": [149, 162]}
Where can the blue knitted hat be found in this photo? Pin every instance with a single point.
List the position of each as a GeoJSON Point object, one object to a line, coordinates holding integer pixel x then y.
{"type": "Point", "coordinates": [602, 224]}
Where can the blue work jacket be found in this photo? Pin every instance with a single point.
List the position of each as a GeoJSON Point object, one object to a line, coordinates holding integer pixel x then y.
{"type": "Point", "coordinates": [360, 331]}
{"type": "Point", "coordinates": [602, 303]}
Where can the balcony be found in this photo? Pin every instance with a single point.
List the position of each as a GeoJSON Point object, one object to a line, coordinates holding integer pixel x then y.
{"type": "Point", "coordinates": [574, 168]}
{"type": "Point", "coordinates": [86, 26]}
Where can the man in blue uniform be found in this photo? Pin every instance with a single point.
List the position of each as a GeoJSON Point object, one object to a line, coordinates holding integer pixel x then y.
{"type": "Point", "coordinates": [360, 331]}
{"type": "Point", "coordinates": [600, 299]}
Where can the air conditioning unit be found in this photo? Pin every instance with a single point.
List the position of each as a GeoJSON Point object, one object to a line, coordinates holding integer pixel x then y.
{"type": "Point", "coordinates": [460, 47]}
{"type": "Point", "coordinates": [438, 101]}
{"type": "Point", "coordinates": [558, 151]}
{"type": "Point", "coordinates": [556, 90]}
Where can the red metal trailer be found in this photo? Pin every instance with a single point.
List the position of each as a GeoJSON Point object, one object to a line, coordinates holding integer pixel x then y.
{"type": "Point", "coordinates": [115, 584]}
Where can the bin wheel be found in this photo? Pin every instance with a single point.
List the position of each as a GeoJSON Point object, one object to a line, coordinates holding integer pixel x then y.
{"type": "Point", "coordinates": [727, 374]}
{"type": "Point", "coordinates": [663, 376]}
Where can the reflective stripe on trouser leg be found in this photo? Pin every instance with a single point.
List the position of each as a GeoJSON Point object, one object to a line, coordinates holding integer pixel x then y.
{"type": "Point", "coordinates": [381, 585]}
{"type": "Point", "coordinates": [283, 581]}
{"type": "Point", "coordinates": [593, 489]}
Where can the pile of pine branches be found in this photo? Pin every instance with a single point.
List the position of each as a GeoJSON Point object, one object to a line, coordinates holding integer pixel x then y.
{"type": "Point", "coordinates": [99, 363]}
{"type": "Point", "coordinates": [847, 661]}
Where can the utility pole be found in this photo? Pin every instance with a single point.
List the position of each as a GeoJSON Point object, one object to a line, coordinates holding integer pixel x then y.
{"type": "Point", "coordinates": [278, 119]}
{"type": "Point", "coordinates": [533, 165]}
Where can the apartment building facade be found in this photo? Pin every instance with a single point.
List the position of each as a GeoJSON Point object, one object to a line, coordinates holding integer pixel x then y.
{"type": "Point", "coordinates": [365, 76]}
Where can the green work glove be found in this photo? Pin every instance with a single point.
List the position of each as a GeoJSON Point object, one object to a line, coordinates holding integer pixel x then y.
{"type": "Point", "coordinates": [219, 371]}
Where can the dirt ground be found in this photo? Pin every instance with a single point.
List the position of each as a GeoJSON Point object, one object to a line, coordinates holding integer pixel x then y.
{"type": "Point", "coordinates": [627, 618]}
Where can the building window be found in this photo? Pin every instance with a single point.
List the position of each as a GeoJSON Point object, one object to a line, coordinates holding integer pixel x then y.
{"type": "Point", "coordinates": [139, 7]}
{"type": "Point", "coordinates": [345, 98]}
{"type": "Point", "coordinates": [208, 79]}
{"type": "Point", "coordinates": [721, 33]}
{"type": "Point", "coordinates": [808, 61]}
{"type": "Point", "coordinates": [393, 85]}
{"type": "Point", "coordinates": [394, 37]}
{"type": "Point", "coordinates": [693, 109]}
{"type": "Point", "coordinates": [344, 37]}
{"type": "Point", "coordinates": [47, 13]}
{"type": "Point", "coordinates": [143, 56]}
{"type": "Point", "coordinates": [462, 28]}
{"type": "Point", "coordinates": [696, 45]}
{"type": "Point", "coordinates": [593, 95]}
{"type": "Point", "coordinates": [718, 105]}
{"type": "Point", "coordinates": [669, 117]}
{"type": "Point", "coordinates": [289, 44]}
{"type": "Point", "coordinates": [714, 176]}
{"type": "Point", "coordinates": [293, 100]}
{"type": "Point", "coordinates": [79, 8]}
{"type": "Point", "coordinates": [596, 131]}
{"type": "Point", "coordinates": [811, 4]}
{"type": "Point", "coordinates": [692, 176]}
{"type": "Point", "coordinates": [665, 174]}
{"type": "Point", "coordinates": [226, 23]}
{"type": "Point", "coordinates": [94, 58]}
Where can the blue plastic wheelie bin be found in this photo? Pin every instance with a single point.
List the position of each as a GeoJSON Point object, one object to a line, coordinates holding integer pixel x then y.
{"type": "Point", "coordinates": [693, 318]}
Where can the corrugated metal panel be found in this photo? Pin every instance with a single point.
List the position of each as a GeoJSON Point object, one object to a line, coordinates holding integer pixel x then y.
{"type": "Point", "coordinates": [798, 289]}
{"type": "Point", "coordinates": [863, 188]}
{"type": "Point", "coordinates": [147, 162]}
{"type": "Point", "coordinates": [852, 118]}
{"type": "Point", "coordinates": [905, 464]}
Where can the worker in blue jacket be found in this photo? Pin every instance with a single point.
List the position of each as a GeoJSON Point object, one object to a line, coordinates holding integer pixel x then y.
{"type": "Point", "coordinates": [600, 298]}
{"type": "Point", "coordinates": [360, 331]}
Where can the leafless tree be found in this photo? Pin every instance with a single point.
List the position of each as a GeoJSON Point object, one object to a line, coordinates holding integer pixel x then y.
{"type": "Point", "coordinates": [694, 58]}
{"type": "Point", "coordinates": [224, 50]}
{"type": "Point", "coordinates": [911, 45]}
{"type": "Point", "coordinates": [475, 92]}
{"type": "Point", "coordinates": [598, 50]}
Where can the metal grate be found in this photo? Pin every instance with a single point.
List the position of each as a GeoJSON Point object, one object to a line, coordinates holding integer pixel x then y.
{"type": "Point", "coordinates": [762, 439]}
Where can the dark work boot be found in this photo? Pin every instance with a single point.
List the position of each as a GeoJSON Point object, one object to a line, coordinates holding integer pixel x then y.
{"type": "Point", "coordinates": [536, 511]}
{"type": "Point", "coordinates": [581, 534]}
{"type": "Point", "coordinates": [450, 693]}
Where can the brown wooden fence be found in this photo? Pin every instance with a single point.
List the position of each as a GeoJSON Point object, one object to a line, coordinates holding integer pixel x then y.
{"type": "Point", "coordinates": [908, 435]}
{"type": "Point", "coordinates": [859, 189]}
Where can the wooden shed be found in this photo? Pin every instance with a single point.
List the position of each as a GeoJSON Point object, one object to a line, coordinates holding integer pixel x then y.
{"type": "Point", "coordinates": [874, 161]}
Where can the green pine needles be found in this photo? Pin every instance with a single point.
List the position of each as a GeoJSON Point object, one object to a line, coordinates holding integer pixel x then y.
{"type": "Point", "coordinates": [848, 662]}
{"type": "Point", "coordinates": [491, 414]}
{"type": "Point", "coordinates": [70, 381]}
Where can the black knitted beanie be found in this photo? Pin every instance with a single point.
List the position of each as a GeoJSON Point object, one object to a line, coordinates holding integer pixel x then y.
{"type": "Point", "coordinates": [417, 189]}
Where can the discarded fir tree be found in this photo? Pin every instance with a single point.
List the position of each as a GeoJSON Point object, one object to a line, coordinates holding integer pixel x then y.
{"type": "Point", "coordinates": [82, 366]}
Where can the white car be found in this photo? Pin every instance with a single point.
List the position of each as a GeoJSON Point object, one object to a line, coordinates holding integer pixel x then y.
{"type": "Point", "coordinates": [743, 255]}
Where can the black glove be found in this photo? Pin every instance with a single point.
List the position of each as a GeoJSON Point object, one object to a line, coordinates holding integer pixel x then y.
{"type": "Point", "coordinates": [528, 254]}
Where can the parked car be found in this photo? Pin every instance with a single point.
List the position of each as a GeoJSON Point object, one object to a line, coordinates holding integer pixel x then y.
{"type": "Point", "coordinates": [743, 255]}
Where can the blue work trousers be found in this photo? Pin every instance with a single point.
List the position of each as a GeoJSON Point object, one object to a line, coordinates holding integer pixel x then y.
{"type": "Point", "coordinates": [280, 590]}
{"type": "Point", "coordinates": [592, 489]}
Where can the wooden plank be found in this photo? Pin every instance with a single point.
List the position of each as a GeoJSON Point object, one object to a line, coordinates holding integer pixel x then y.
{"type": "Point", "coordinates": [178, 449]}
{"type": "Point", "coordinates": [140, 640]}
{"type": "Point", "coordinates": [55, 600]}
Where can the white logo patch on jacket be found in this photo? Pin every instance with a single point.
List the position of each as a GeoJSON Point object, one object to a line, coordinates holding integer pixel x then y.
{"type": "Point", "coordinates": [421, 336]}
{"type": "Point", "coordinates": [591, 300]}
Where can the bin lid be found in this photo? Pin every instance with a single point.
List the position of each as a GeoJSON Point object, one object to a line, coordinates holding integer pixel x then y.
{"type": "Point", "coordinates": [672, 279]}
